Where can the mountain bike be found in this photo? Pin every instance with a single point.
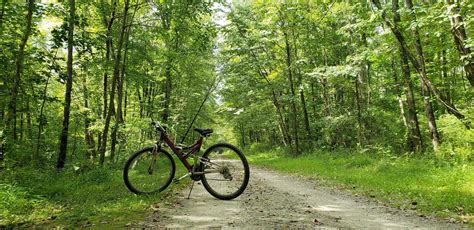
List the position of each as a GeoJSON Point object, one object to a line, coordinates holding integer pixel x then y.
{"type": "Point", "coordinates": [222, 168]}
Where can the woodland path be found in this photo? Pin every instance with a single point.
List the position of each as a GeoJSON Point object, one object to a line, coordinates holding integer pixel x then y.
{"type": "Point", "coordinates": [276, 201]}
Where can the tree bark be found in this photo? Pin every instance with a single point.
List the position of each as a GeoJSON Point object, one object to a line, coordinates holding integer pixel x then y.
{"type": "Point", "coordinates": [18, 70]}
{"type": "Point", "coordinates": [460, 37]}
{"type": "Point", "coordinates": [67, 97]}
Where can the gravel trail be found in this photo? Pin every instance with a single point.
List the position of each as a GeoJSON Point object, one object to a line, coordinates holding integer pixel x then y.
{"type": "Point", "coordinates": [276, 201]}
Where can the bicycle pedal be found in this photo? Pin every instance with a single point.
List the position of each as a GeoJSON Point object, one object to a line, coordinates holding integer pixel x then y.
{"type": "Point", "coordinates": [176, 181]}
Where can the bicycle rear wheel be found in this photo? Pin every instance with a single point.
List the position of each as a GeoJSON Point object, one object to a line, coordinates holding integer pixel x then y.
{"type": "Point", "coordinates": [143, 176]}
{"type": "Point", "coordinates": [226, 170]}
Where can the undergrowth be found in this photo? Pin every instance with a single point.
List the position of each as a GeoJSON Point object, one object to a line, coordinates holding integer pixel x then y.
{"type": "Point", "coordinates": [97, 197]}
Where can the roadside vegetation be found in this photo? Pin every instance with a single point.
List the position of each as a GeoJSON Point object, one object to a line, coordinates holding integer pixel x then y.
{"type": "Point", "coordinates": [75, 198]}
{"type": "Point", "coordinates": [429, 185]}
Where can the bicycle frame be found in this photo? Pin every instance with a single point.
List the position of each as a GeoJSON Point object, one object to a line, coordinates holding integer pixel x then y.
{"type": "Point", "coordinates": [194, 148]}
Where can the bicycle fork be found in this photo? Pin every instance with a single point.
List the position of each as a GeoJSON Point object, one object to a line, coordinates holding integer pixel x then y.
{"type": "Point", "coordinates": [154, 155]}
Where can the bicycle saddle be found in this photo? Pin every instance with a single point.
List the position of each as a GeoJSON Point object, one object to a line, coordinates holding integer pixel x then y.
{"type": "Point", "coordinates": [204, 132]}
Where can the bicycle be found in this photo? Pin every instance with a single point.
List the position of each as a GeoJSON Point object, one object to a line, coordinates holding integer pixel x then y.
{"type": "Point", "coordinates": [222, 169]}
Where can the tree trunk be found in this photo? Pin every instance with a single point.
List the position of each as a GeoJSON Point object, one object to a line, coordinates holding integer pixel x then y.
{"type": "Point", "coordinates": [108, 44]}
{"type": "Point", "coordinates": [167, 90]}
{"type": "Point", "coordinates": [425, 89]}
{"type": "Point", "coordinates": [294, 111]}
{"type": "Point", "coordinates": [398, 91]}
{"type": "Point", "coordinates": [18, 70]}
{"type": "Point", "coordinates": [41, 119]}
{"type": "Point", "coordinates": [460, 39]}
{"type": "Point", "coordinates": [114, 84]}
{"type": "Point", "coordinates": [2, 13]}
{"type": "Point", "coordinates": [360, 126]}
{"type": "Point", "coordinates": [120, 81]}
{"type": "Point", "coordinates": [301, 93]}
{"type": "Point", "coordinates": [88, 135]}
{"type": "Point", "coordinates": [444, 74]}
{"type": "Point", "coordinates": [67, 97]}
{"type": "Point", "coordinates": [414, 141]}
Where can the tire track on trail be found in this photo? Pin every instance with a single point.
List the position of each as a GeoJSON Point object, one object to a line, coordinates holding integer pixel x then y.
{"type": "Point", "coordinates": [276, 201]}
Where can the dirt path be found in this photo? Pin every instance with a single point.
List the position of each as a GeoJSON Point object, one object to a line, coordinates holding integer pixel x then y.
{"type": "Point", "coordinates": [277, 201]}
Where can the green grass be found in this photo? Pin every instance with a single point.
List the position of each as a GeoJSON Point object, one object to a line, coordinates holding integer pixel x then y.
{"type": "Point", "coordinates": [427, 185]}
{"type": "Point", "coordinates": [97, 197]}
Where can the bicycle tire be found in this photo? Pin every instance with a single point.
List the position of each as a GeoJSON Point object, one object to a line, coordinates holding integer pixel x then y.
{"type": "Point", "coordinates": [139, 173]}
{"type": "Point", "coordinates": [206, 178]}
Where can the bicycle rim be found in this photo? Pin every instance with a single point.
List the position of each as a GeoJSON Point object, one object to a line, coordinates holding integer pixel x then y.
{"type": "Point", "coordinates": [230, 171]}
{"type": "Point", "coordinates": [142, 176]}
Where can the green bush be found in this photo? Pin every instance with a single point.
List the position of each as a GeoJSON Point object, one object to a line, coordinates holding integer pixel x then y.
{"type": "Point", "coordinates": [458, 142]}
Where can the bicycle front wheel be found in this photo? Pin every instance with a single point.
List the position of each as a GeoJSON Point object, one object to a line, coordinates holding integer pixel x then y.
{"type": "Point", "coordinates": [146, 173]}
{"type": "Point", "coordinates": [226, 171]}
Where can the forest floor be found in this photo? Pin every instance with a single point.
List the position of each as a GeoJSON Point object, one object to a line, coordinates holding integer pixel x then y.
{"type": "Point", "coordinates": [274, 200]}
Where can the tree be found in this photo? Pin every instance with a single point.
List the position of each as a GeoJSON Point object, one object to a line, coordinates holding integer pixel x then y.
{"type": "Point", "coordinates": [12, 118]}
{"type": "Point", "coordinates": [118, 59]}
{"type": "Point", "coordinates": [460, 38]}
{"type": "Point", "coordinates": [69, 80]}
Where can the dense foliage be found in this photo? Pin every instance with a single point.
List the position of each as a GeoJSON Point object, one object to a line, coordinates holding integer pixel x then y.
{"type": "Point", "coordinates": [351, 75]}
{"type": "Point", "coordinates": [132, 61]}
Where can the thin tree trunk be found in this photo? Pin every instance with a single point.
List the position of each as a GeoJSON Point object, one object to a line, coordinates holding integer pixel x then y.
{"type": "Point", "coordinates": [108, 44]}
{"type": "Point", "coordinates": [28, 120]}
{"type": "Point", "coordinates": [398, 91]}
{"type": "Point", "coordinates": [67, 97]}
{"type": "Point", "coordinates": [360, 126]}
{"type": "Point", "coordinates": [18, 70]}
{"type": "Point", "coordinates": [120, 81]}
{"type": "Point", "coordinates": [41, 119]}
{"type": "Point", "coordinates": [301, 90]}
{"type": "Point", "coordinates": [2, 13]}
{"type": "Point", "coordinates": [88, 135]}
{"type": "Point", "coordinates": [114, 85]}
{"type": "Point", "coordinates": [283, 125]}
{"type": "Point", "coordinates": [460, 39]}
{"type": "Point", "coordinates": [444, 75]}
{"type": "Point", "coordinates": [294, 111]}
